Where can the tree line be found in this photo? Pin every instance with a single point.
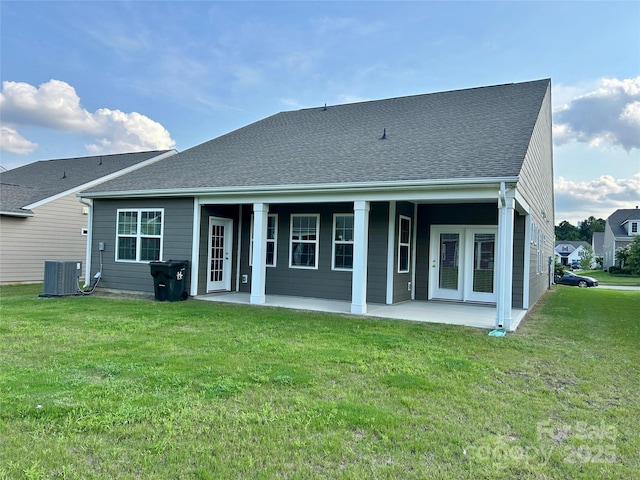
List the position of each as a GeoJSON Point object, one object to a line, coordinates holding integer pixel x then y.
{"type": "Point", "coordinates": [584, 230]}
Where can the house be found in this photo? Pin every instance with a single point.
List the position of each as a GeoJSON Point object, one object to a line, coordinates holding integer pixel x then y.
{"type": "Point", "coordinates": [40, 215]}
{"type": "Point", "coordinates": [569, 251]}
{"type": "Point", "coordinates": [597, 244]}
{"type": "Point", "coordinates": [437, 197]}
{"type": "Point", "coordinates": [620, 229]}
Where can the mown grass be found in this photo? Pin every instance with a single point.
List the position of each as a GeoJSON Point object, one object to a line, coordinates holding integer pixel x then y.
{"type": "Point", "coordinates": [95, 387]}
{"type": "Point", "coordinates": [606, 278]}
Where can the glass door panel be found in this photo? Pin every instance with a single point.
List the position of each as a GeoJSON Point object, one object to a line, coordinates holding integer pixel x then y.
{"type": "Point", "coordinates": [449, 261]}
{"type": "Point", "coordinates": [483, 262]}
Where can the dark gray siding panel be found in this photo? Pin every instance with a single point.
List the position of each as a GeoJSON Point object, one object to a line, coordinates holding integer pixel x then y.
{"type": "Point", "coordinates": [323, 282]}
{"type": "Point", "coordinates": [401, 291]}
{"type": "Point", "coordinates": [282, 280]}
{"type": "Point", "coordinates": [518, 261]}
{"type": "Point", "coordinates": [378, 247]}
{"type": "Point", "coordinates": [422, 253]}
{"type": "Point", "coordinates": [136, 277]}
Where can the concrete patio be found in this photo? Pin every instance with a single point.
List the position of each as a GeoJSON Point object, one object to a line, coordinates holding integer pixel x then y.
{"type": "Point", "coordinates": [469, 315]}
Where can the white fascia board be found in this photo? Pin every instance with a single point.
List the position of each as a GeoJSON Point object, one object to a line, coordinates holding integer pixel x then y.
{"type": "Point", "coordinates": [523, 205]}
{"type": "Point", "coordinates": [100, 180]}
{"type": "Point", "coordinates": [444, 190]}
{"type": "Point", "coordinates": [17, 214]}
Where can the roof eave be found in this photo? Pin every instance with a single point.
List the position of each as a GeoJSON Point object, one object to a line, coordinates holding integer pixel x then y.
{"type": "Point", "coordinates": [17, 214]}
{"type": "Point", "coordinates": [307, 188]}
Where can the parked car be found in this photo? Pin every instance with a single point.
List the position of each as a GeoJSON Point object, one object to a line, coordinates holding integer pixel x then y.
{"type": "Point", "coordinates": [575, 265]}
{"type": "Point", "coordinates": [570, 278]}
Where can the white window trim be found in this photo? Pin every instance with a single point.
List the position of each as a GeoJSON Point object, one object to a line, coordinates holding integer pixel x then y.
{"type": "Point", "coordinates": [406, 244]}
{"type": "Point", "coordinates": [315, 242]}
{"type": "Point", "coordinates": [335, 242]}
{"type": "Point", "coordinates": [138, 235]}
{"type": "Point", "coordinates": [273, 240]}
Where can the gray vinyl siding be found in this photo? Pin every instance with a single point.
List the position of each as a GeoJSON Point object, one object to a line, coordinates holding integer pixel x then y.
{"type": "Point", "coordinates": [53, 233]}
{"type": "Point", "coordinates": [536, 187]}
{"type": "Point", "coordinates": [401, 292]}
{"type": "Point", "coordinates": [609, 248]}
{"type": "Point", "coordinates": [322, 282]}
{"type": "Point", "coordinates": [378, 248]}
{"type": "Point", "coordinates": [517, 282]}
{"type": "Point", "coordinates": [136, 277]}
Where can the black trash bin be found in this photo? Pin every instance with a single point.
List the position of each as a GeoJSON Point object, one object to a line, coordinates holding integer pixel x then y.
{"type": "Point", "coordinates": [170, 280]}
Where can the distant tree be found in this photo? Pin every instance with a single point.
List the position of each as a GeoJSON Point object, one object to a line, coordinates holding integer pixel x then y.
{"type": "Point", "coordinates": [586, 259]}
{"type": "Point", "coordinates": [566, 231]}
{"type": "Point", "coordinates": [590, 225]}
{"type": "Point", "coordinates": [599, 262]}
{"type": "Point", "coordinates": [622, 256]}
{"type": "Point", "coordinates": [633, 259]}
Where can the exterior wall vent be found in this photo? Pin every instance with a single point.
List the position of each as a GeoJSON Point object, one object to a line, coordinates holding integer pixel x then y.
{"type": "Point", "coordinates": [61, 277]}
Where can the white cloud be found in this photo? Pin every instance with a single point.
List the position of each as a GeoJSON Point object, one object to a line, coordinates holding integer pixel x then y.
{"type": "Point", "coordinates": [608, 115]}
{"type": "Point", "coordinates": [13, 142]}
{"type": "Point", "coordinates": [56, 105]}
{"type": "Point", "coordinates": [576, 201]}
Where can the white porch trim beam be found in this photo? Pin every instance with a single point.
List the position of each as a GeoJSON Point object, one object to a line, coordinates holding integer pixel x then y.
{"type": "Point", "coordinates": [259, 261]}
{"type": "Point", "coordinates": [360, 254]}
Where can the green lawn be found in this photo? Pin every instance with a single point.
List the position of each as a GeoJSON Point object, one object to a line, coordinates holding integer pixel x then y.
{"type": "Point", "coordinates": [605, 278]}
{"type": "Point", "coordinates": [96, 387]}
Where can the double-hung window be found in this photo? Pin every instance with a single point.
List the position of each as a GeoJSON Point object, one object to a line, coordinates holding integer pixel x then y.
{"type": "Point", "coordinates": [139, 235]}
{"type": "Point", "coordinates": [343, 241]}
{"type": "Point", "coordinates": [272, 240]}
{"type": "Point", "coordinates": [404, 244]}
{"type": "Point", "coordinates": [303, 245]}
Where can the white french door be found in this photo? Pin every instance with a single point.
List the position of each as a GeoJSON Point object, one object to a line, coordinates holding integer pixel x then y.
{"type": "Point", "coordinates": [220, 250]}
{"type": "Point", "coordinates": [462, 263]}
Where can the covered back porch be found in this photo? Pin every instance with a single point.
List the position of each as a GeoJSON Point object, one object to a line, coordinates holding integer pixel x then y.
{"type": "Point", "coordinates": [451, 313]}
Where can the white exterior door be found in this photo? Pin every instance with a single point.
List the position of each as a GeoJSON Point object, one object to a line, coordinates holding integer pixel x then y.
{"type": "Point", "coordinates": [463, 263]}
{"type": "Point", "coordinates": [220, 250]}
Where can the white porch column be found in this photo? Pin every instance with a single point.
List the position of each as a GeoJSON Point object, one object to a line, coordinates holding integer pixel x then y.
{"type": "Point", "coordinates": [360, 253]}
{"type": "Point", "coordinates": [259, 260]}
{"type": "Point", "coordinates": [504, 260]}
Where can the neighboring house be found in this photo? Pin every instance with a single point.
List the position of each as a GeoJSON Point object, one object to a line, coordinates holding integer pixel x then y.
{"type": "Point", "coordinates": [621, 227]}
{"type": "Point", "coordinates": [444, 196]}
{"type": "Point", "coordinates": [568, 251]}
{"type": "Point", "coordinates": [597, 244]}
{"type": "Point", "coordinates": [40, 215]}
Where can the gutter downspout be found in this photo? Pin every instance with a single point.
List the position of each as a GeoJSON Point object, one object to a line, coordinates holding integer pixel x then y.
{"type": "Point", "coordinates": [87, 260]}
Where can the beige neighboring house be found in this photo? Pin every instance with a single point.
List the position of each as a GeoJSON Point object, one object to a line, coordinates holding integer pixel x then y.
{"type": "Point", "coordinates": [41, 218]}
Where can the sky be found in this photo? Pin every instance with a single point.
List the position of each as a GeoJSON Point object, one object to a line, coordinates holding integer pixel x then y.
{"type": "Point", "coordinates": [89, 78]}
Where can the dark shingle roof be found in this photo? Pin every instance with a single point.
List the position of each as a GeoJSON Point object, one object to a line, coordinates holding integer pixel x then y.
{"type": "Point", "coordinates": [474, 133]}
{"type": "Point", "coordinates": [617, 219]}
{"type": "Point", "coordinates": [37, 181]}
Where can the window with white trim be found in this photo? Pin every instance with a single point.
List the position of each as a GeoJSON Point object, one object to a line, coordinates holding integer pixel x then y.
{"type": "Point", "coordinates": [342, 241]}
{"type": "Point", "coordinates": [303, 241]}
{"type": "Point", "coordinates": [634, 227]}
{"type": "Point", "coordinates": [272, 240]}
{"type": "Point", "coordinates": [404, 244]}
{"type": "Point", "coordinates": [139, 235]}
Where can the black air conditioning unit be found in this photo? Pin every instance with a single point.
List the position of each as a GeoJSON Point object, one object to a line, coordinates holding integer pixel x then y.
{"type": "Point", "coordinates": [61, 277]}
